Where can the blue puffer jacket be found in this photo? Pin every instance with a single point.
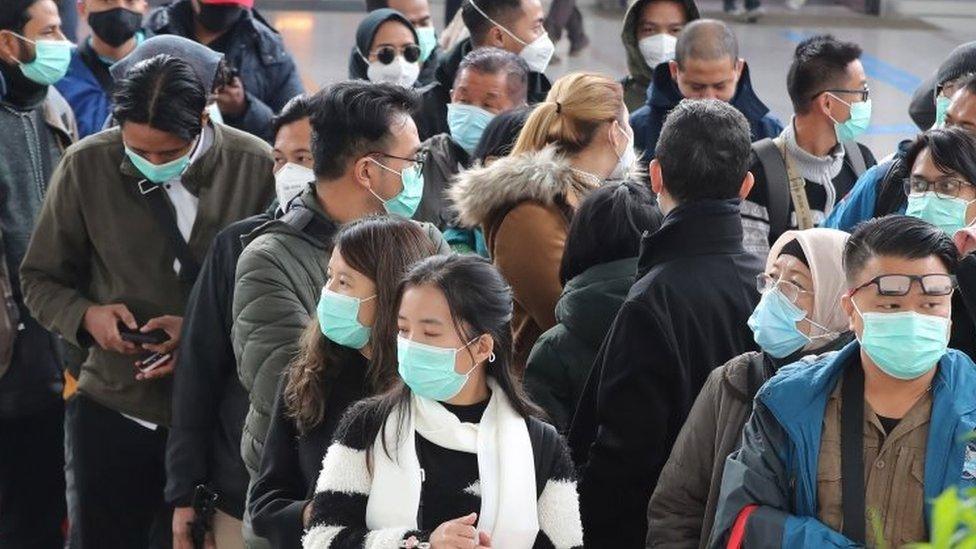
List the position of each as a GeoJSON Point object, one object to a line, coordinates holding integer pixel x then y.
{"type": "Point", "coordinates": [664, 95]}
{"type": "Point", "coordinates": [862, 202]}
{"type": "Point", "coordinates": [776, 467]}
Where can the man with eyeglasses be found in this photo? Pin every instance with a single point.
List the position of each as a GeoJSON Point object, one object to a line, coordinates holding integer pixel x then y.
{"type": "Point", "coordinates": [365, 149]}
{"type": "Point", "coordinates": [875, 430]}
{"type": "Point", "coordinates": [816, 160]}
{"type": "Point", "coordinates": [925, 109]}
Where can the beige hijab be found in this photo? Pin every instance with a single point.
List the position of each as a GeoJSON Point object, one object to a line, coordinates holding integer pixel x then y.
{"type": "Point", "coordinates": [824, 249]}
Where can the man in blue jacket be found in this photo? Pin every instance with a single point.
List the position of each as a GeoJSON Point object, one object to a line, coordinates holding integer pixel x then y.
{"type": "Point", "coordinates": [115, 26]}
{"type": "Point", "coordinates": [706, 65]}
{"type": "Point", "coordinates": [880, 428]}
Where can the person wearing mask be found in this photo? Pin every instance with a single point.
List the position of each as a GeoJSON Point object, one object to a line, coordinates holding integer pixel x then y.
{"type": "Point", "coordinates": [264, 75]}
{"type": "Point", "coordinates": [651, 30]}
{"type": "Point", "coordinates": [209, 403]}
{"type": "Point", "coordinates": [346, 354]}
{"type": "Point", "coordinates": [706, 65]}
{"type": "Point", "coordinates": [676, 325]}
{"type": "Point", "coordinates": [157, 188]}
{"type": "Point", "coordinates": [797, 318]}
{"type": "Point", "coordinates": [925, 108]}
{"type": "Point", "coordinates": [597, 271]}
{"type": "Point", "coordinates": [876, 430]}
{"type": "Point", "coordinates": [418, 13]}
{"type": "Point", "coordinates": [453, 455]}
{"type": "Point", "coordinates": [880, 191]}
{"type": "Point", "coordinates": [116, 31]}
{"type": "Point", "coordinates": [816, 160]}
{"type": "Point", "coordinates": [570, 145]}
{"type": "Point", "coordinates": [512, 25]}
{"type": "Point", "coordinates": [364, 145]}
{"type": "Point", "coordinates": [490, 82]}
{"type": "Point", "coordinates": [34, 120]}
{"type": "Point", "coordinates": [386, 50]}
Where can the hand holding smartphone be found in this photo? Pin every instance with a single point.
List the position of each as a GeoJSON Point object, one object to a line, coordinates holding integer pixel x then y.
{"type": "Point", "coordinates": [154, 337]}
{"type": "Point", "coordinates": [153, 361]}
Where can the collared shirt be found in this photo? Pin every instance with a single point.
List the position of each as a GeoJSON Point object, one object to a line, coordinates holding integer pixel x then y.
{"type": "Point", "coordinates": [185, 203]}
{"type": "Point", "coordinates": [894, 471]}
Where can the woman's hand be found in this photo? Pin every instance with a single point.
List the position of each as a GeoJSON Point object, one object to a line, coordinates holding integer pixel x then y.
{"type": "Point", "coordinates": [460, 533]}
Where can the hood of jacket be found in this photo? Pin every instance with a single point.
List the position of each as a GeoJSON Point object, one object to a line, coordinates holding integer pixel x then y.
{"type": "Point", "coordinates": [797, 397]}
{"type": "Point", "coordinates": [448, 68]}
{"type": "Point", "coordinates": [278, 225]}
{"type": "Point", "coordinates": [541, 176]}
{"type": "Point", "coordinates": [663, 94]}
{"type": "Point", "coordinates": [636, 66]}
{"type": "Point", "coordinates": [364, 38]}
{"type": "Point", "coordinates": [590, 300]}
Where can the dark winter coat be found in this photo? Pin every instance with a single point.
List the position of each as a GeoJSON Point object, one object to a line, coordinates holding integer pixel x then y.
{"type": "Point", "coordinates": [445, 159]}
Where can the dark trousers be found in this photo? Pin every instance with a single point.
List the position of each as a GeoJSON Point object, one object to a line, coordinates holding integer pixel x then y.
{"type": "Point", "coordinates": [119, 477]}
{"type": "Point", "coordinates": [565, 15]}
{"type": "Point", "coordinates": [749, 4]}
{"type": "Point", "coordinates": [32, 506]}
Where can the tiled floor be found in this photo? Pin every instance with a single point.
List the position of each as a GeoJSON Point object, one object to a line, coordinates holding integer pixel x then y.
{"type": "Point", "coordinates": [899, 52]}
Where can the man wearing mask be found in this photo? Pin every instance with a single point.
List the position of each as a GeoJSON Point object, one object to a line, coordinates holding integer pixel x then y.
{"type": "Point", "coordinates": [418, 13]}
{"type": "Point", "coordinates": [513, 25]}
{"type": "Point", "coordinates": [265, 76]}
{"type": "Point", "coordinates": [651, 30]}
{"type": "Point", "coordinates": [209, 403]}
{"type": "Point", "coordinates": [927, 108]}
{"type": "Point", "coordinates": [877, 429]}
{"type": "Point", "coordinates": [36, 126]}
{"type": "Point", "coordinates": [676, 324]}
{"type": "Point", "coordinates": [366, 161]}
{"type": "Point", "coordinates": [128, 217]}
{"type": "Point", "coordinates": [816, 160]}
{"type": "Point", "coordinates": [706, 65]}
{"type": "Point", "coordinates": [490, 81]}
{"type": "Point", "coordinates": [115, 26]}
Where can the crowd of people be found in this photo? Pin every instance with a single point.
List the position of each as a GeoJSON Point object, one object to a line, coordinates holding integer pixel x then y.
{"type": "Point", "coordinates": [447, 303]}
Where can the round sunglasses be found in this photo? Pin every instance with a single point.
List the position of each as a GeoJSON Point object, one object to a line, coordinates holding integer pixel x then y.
{"type": "Point", "coordinates": [388, 54]}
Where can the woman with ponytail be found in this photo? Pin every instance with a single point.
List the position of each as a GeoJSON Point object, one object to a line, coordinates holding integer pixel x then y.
{"type": "Point", "coordinates": [524, 203]}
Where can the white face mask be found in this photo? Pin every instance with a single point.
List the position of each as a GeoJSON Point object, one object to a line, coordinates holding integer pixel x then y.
{"type": "Point", "coordinates": [537, 54]}
{"type": "Point", "coordinates": [625, 159]}
{"type": "Point", "coordinates": [657, 48]}
{"type": "Point", "coordinates": [399, 72]}
{"type": "Point", "coordinates": [290, 181]}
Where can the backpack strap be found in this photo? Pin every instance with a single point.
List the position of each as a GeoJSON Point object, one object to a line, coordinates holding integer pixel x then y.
{"type": "Point", "coordinates": [302, 219]}
{"type": "Point", "coordinates": [777, 187]}
{"type": "Point", "coordinates": [166, 220]}
{"type": "Point", "coordinates": [856, 157]}
{"type": "Point", "coordinates": [852, 453]}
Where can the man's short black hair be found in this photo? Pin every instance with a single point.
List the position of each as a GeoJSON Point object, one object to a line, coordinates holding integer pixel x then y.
{"type": "Point", "coordinates": [13, 14]}
{"type": "Point", "coordinates": [899, 236]}
{"type": "Point", "coordinates": [704, 150]}
{"type": "Point", "coordinates": [295, 109]}
{"type": "Point", "coordinates": [352, 118]}
{"type": "Point", "coordinates": [163, 92]}
{"type": "Point", "coordinates": [504, 12]}
{"type": "Point", "coordinates": [706, 40]}
{"type": "Point", "coordinates": [819, 63]}
{"type": "Point", "coordinates": [495, 60]}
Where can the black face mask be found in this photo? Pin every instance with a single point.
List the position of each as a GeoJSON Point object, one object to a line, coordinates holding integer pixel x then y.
{"type": "Point", "coordinates": [116, 26]}
{"type": "Point", "coordinates": [217, 18]}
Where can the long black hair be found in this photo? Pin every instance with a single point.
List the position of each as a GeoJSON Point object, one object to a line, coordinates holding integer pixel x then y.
{"type": "Point", "coordinates": [951, 149]}
{"type": "Point", "coordinates": [163, 92]}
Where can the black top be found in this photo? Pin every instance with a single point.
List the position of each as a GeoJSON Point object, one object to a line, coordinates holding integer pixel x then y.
{"type": "Point", "coordinates": [451, 489]}
{"type": "Point", "coordinates": [889, 423]}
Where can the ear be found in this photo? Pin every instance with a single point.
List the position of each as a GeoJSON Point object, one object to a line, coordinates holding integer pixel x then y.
{"type": "Point", "coordinates": [9, 48]}
{"type": "Point", "coordinates": [496, 37]}
{"type": "Point", "coordinates": [82, 8]}
{"type": "Point", "coordinates": [483, 348]}
{"type": "Point", "coordinates": [205, 119]}
{"type": "Point", "coordinates": [739, 65]}
{"type": "Point", "coordinates": [673, 67]}
{"type": "Point", "coordinates": [847, 303]}
{"type": "Point", "coordinates": [657, 178]}
{"type": "Point", "coordinates": [360, 172]}
{"type": "Point", "coordinates": [747, 182]}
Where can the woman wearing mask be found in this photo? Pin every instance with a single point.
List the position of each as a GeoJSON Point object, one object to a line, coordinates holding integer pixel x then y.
{"type": "Point", "coordinates": [386, 50]}
{"type": "Point", "coordinates": [799, 315]}
{"type": "Point", "coordinates": [348, 353]}
{"type": "Point", "coordinates": [524, 203]}
{"type": "Point", "coordinates": [454, 456]}
{"type": "Point", "coordinates": [598, 269]}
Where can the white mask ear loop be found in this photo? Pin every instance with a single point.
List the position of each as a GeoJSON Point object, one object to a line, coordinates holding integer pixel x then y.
{"type": "Point", "coordinates": [497, 24]}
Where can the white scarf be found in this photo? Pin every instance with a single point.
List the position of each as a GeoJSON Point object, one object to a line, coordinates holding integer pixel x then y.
{"type": "Point", "coordinates": [506, 468]}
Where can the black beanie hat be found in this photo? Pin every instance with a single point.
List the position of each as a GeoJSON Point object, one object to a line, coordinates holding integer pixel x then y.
{"type": "Point", "coordinates": [961, 61]}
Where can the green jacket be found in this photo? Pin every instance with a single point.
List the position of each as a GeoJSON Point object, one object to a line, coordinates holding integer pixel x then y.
{"type": "Point", "coordinates": [280, 276]}
{"type": "Point", "coordinates": [97, 243]}
{"type": "Point", "coordinates": [561, 359]}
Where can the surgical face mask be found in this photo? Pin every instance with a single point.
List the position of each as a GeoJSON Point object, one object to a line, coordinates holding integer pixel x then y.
{"type": "Point", "coordinates": [159, 173]}
{"type": "Point", "coordinates": [51, 60]}
{"type": "Point", "coordinates": [429, 371]}
{"type": "Point", "coordinates": [904, 345]}
{"type": "Point", "coordinates": [536, 54]}
{"type": "Point", "coordinates": [773, 325]}
{"type": "Point", "coordinates": [467, 124]}
{"type": "Point", "coordinates": [657, 48]}
{"type": "Point", "coordinates": [948, 214]}
{"type": "Point", "coordinates": [857, 124]}
{"type": "Point", "coordinates": [427, 37]}
{"type": "Point", "coordinates": [399, 72]}
{"type": "Point", "coordinates": [217, 18]}
{"type": "Point", "coordinates": [404, 204]}
{"type": "Point", "coordinates": [339, 319]}
{"type": "Point", "coordinates": [625, 160]}
{"type": "Point", "coordinates": [290, 181]}
{"type": "Point", "coordinates": [941, 109]}
{"type": "Point", "coordinates": [115, 26]}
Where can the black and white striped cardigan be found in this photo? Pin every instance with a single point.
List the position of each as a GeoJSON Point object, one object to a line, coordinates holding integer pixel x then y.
{"type": "Point", "coordinates": [343, 487]}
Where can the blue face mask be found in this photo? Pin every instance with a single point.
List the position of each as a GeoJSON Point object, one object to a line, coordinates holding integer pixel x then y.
{"type": "Point", "coordinates": [51, 60]}
{"type": "Point", "coordinates": [948, 214]}
{"type": "Point", "coordinates": [941, 109]}
{"type": "Point", "coordinates": [904, 345]}
{"type": "Point", "coordinates": [404, 204]}
{"type": "Point", "coordinates": [429, 371]}
{"type": "Point", "coordinates": [467, 124]}
{"type": "Point", "coordinates": [773, 325]}
{"type": "Point", "coordinates": [428, 42]}
{"type": "Point", "coordinates": [159, 173]}
{"type": "Point", "coordinates": [857, 124]}
{"type": "Point", "coordinates": [339, 319]}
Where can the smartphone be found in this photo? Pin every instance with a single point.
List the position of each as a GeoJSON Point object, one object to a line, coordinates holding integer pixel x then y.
{"type": "Point", "coordinates": [154, 337]}
{"type": "Point", "coordinates": [153, 361]}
